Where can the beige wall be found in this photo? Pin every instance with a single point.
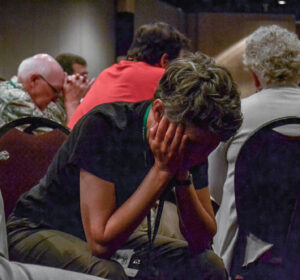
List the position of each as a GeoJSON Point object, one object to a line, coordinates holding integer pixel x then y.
{"type": "Point", "coordinates": [84, 27]}
{"type": "Point", "coordinates": [223, 37]}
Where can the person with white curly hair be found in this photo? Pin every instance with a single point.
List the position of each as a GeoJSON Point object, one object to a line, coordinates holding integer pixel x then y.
{"type": "Point", "coordinates": [272, 55]}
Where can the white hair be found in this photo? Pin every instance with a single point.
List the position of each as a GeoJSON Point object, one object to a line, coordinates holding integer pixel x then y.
{"type": "Point", "coordinates": [41, 64]}
{"type": "Point", "coordinates": [273, 53]}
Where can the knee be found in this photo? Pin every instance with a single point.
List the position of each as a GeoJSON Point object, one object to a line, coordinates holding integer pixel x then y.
{"type": "Point", "coordinates": [211, 266]}
{"type": "Point", "coordinates": [108, 269]}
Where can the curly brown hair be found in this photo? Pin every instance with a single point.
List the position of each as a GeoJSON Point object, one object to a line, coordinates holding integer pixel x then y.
{"type": "Point", "coordinates": [195, 90]}
{"type": "Point", "coordinates": [151, 41]}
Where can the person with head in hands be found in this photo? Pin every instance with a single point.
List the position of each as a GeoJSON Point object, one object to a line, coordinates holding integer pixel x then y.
{"type": "Point", "coordinates": [117, 162]}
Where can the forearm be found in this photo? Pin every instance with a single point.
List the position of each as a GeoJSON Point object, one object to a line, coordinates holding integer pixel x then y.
{"type": "Point", "coordinates": [197, 223]}
{"type": "Point", "coordinates": [134, 210]}
{"type": "Point", "coordinates": [110, 235]}
{"type": "Point", "coordinates": [70, 107]}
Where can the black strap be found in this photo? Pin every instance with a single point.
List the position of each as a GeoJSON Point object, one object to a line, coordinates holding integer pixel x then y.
{"type": "Point", "coordinates": [156, 224]}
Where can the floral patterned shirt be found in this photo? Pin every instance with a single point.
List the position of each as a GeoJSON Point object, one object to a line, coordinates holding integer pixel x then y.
{"type": "Point", "coordinates": [16, 103]}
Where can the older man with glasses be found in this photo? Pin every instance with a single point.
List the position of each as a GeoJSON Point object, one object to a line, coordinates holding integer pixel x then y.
{"type": "Point", "coordinates": [41, 89]}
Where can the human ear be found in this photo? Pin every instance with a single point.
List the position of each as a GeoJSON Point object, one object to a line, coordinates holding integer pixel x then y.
{"type": "Point", "coordinates": [256, 80]}
{"type": "Point", "coordinates": [29, 83]}
{"type": "Point", "coordinates": [34, 78]}
{"type": "Point", "coordinates": [164, 60]}
{"type": "Point", "coordinates": [158, 109]}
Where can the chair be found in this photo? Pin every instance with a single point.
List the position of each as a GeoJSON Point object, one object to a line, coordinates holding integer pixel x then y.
{"type": "Point", "coordinates": [291, 262]}
{"type": "Point", "coordinates": [25, 157]}
{"type": "Point", "coordinates": [267, 185]}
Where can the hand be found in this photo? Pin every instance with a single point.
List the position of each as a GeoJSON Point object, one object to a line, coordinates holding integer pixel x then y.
{"type": "Point", "coordinates": [75, 88]}
{"type": "Point", "coordinates": [167, 143]}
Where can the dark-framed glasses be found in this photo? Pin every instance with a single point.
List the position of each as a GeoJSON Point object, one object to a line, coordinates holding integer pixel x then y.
{"type": "Point", "coordinates": [56, 91]}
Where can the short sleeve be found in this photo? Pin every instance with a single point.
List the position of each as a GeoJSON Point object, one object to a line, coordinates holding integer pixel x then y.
{"type": "Point", "coordinates": [93, 146]}
{"type": "Point", "coordinates": [199, 173]}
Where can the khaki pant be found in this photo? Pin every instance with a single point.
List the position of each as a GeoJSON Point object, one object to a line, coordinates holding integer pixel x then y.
{"type": "Point", "coordinates": [172, 258]}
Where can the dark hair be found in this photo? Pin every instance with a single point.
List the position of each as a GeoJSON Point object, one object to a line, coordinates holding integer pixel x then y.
{"type": "Point", "coordinates": [66, 61]}
{"type": "Point", "coordinates": [195, 90]}
{"type": "Point", "coordinates": [151, 41]}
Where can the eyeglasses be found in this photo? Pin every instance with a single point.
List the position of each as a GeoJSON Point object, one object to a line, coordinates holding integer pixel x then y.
{"type": "Point", "coordinates": [56, 91]}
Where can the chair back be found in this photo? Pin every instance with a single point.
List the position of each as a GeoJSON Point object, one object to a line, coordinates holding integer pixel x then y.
{"type": "Point", "coordinates": [267, 184]}
{"type": "Point", "coordinates": [291, 262]}
{"type": "Point", "coordinates": [25, 157]}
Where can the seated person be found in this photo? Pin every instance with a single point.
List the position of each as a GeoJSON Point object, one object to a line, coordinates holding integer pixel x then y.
{"type": "Point", "coordinates": [117, 162]}
{"type": "Point", "coordinates": [272, 55]}
{"type": "Point", "coordinates": [21, 271]}
{"type": "Point", "coordinates": [72, 64]}
{"type": "Point", "coordinates": [136, 79]}
{"type": "Point", "coordinates": [35, 92]}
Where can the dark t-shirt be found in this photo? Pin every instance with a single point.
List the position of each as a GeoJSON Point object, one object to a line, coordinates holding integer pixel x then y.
{"type": "Point", "coordinates": [107, 142]}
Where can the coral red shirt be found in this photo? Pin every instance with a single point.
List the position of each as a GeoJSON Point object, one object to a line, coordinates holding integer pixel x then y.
{"type": "Point", "coordinates": [125, 81]}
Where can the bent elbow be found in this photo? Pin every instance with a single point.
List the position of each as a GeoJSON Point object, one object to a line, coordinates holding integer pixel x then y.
{"type": "Point", "coordinates": [100, 250]}
{"type": "Point", "coordinates": [99, 247]}
{"type": "Point", "coordinates": [213, 230]}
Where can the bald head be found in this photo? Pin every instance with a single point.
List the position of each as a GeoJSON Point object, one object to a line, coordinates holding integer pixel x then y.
{"type": "Point", "coordinates": [41, 64]}
{"type": "Point", "coordinates": [42, 77]}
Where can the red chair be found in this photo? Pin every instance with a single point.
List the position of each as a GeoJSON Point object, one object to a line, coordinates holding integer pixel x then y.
{"type": "Point", "coordinates": [25, 157]}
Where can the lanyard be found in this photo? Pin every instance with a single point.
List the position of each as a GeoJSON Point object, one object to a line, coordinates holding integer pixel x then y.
{"type": "Point", "coordinates": [145, 123]}
{"type": "Point", "coordinates": [161, 201]}
{"type": "Point", "coordinates": [11, 83]}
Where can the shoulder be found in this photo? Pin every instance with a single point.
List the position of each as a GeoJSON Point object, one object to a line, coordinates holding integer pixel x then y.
{"type": "Point", "coordinates": [251, 100]}
{"type": "Point", "coordinates": [9, 93]}
{"type": "Point", "coordinates": [117, 121]}
{"type": "Point", "coordinates": [119, 114]}
{"type": "Point", "coordinates": [14, 100]}
{"type": "Point", "coordinates": [143, 67]}
{"type": "Point", "coordinates": [266, 96]}
{"type": "Point", "coordinates": [104, 118]}
{"type": "Point", "coordinates": [138, 68]}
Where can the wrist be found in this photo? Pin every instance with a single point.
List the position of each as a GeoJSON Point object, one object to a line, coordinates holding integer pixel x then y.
{"type": "Point", "coordinates": [182, 176]}
{"type": "Point", "coordinates": [184, 180]}
{"type": "Point", "coordinates": [71, 103]}
{"type": "Point", "coordinates": [162, 174]}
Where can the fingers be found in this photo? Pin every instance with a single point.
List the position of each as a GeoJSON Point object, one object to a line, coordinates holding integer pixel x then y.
{"type": "Point", "coordinates": [152, 132]}
{"type": "Point", "coordinates": [77, 78]}
{"type": "Point", "coordinates": [162, 129]}
{"type": "Point", "coordinates": [168, 143]}
{"type": "Point", "coordinates": [75, 87]}
{"type": "Point", "coordinates": [177, 137]}
{"type": "Point", "coordinates": [169, 134]}
{"type": "Point", "coordinates": [183, 145]}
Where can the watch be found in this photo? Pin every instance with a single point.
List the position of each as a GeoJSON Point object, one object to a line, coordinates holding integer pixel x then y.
{"type": "Point", "coordinates": [185, 183]}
